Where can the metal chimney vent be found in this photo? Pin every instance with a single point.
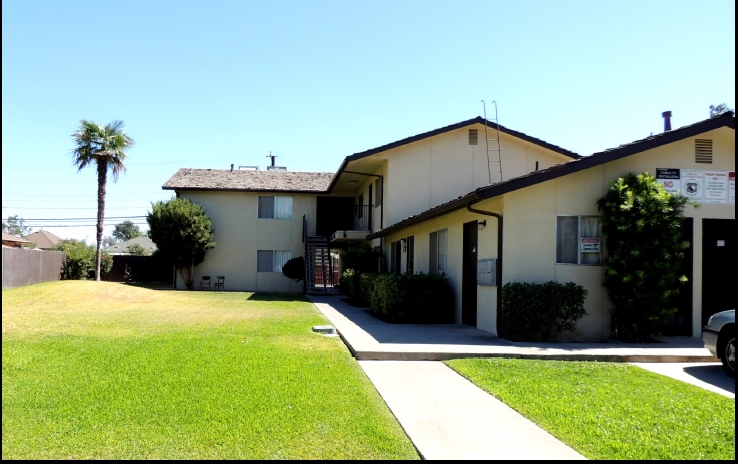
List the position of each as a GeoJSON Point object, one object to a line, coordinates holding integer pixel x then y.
{"type": "Point", "coordinates": [473, 137]}
{"type": "Point", "coordinates": [703, 151]}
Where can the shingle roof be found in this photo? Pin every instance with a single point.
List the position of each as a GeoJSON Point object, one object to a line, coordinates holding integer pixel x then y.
{"type": "Point", "coordinates": [13, 238]}
{"type": "Point", "coordinates": [559, 170]}
{"type": "Point", "coordinates": [254, 181]}
{"type": "Point", "coordinates": [123, 247]}
{"type": "Point", "coordinates": [43, 239]}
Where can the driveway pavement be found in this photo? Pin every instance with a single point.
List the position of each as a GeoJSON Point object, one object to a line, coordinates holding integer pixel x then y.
{"type": "Point", "coordinates": [709, 376]}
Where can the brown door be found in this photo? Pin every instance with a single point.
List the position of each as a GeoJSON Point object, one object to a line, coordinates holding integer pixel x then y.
{"type": "Point", "coordinates": [469, 275]}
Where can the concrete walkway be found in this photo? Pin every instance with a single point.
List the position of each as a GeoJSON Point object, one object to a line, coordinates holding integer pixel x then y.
{"type": "Point", "coordinates": [448, 417]}
{"type": "Point", "coordinates": [709, 376]}
{"type": "Point", "coordinates": [368, 338]}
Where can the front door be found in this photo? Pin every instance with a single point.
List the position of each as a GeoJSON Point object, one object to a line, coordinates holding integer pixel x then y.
{"type": "Point", "coordinates": [469, 275]}
{"type": "Point", "coordinates": [718, 266]}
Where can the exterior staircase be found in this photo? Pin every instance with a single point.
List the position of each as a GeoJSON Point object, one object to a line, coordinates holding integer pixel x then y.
{"type": "Point", "coordinates": [318, 266]}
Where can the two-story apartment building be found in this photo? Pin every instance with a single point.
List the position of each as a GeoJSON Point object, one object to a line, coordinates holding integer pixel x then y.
{"type": "Point", "coordinates": [439, 202]}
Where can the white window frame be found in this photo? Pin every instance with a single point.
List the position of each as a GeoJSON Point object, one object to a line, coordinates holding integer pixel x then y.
{"type": "Point", "coordinates": [275, 210]}
{"type": "Point", "coordinates": [579, 238]}
{"type": "Point", "coordinates": [286, 255]}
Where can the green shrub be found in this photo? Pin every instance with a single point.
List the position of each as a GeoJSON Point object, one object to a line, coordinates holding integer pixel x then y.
{"type": "Point", "coordinates": [362, 258]}
{"type": "Point", "coordinates": [79, 260]}
{"type": "Point", "coordinates": [294, 269]}
{"type": "Point", "coordinates": [539, 311]}
{"type": "Point", "coordinates": [412, 298]}
{"type": "Point", "coordinates": [357, 286]}
{"type": "Point", "coordinates": [641, 225]}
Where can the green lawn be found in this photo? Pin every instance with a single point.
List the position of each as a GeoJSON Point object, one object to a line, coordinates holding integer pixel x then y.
{"type": "Point", "coordinates": [611, 411]}
{"type": "Point", "coordinates": [101, 370]}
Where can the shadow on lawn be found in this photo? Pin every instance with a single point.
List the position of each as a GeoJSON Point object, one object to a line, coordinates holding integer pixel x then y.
{"type": "Point", "coordinates": [288, 297]}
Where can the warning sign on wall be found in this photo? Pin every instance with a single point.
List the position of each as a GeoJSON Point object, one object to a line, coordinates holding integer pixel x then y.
{"type": "Point", "coordinates": [716, 187]}
{"type": "Point", "coordinates": [670, 179]}
{"type": "Point", "coordinates": [693, 184]}
{"type": "Point", "coordinates": [731, 187]}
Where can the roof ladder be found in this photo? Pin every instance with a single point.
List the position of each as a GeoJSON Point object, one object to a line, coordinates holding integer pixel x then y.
{"type": "Point", "coordinates": [495, 148]}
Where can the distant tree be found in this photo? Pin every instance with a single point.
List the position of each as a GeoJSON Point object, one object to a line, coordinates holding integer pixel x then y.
{"type": "Point", "coordinates": [110, 241]}
{"type": "Point", "coordinates": [717, 110]}
{"type": "Point", "coordinates": [126, 230]}
{"type": "Point", "coordinates": [79, 260]}
{"type": "Point", "coordinates": [106, 147]}
{"type": "Point", "coordinates": [641, 224]}
{"type": "Point", "coordinates": [15, 226]}
{"type": "Point", "coordinates": [137, 250]}
{"type": "Point", "coordinates": [182, 233]}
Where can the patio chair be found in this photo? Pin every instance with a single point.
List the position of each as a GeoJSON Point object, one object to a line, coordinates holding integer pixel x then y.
{"type": "Point", "coordinates": [220, 283]}
{"type": "Point", "coordinates": [205, 283]}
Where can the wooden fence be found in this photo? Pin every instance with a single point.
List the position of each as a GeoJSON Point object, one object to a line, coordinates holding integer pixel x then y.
{"type": "Point", "coordinates": [142, 269]}
{"type": "Point", "coordinates": [27, 266]}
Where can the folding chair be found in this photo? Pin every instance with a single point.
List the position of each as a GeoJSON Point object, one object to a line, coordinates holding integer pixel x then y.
{"type": "Point", "coordinates": [220, 283]}
{"type": "Point", "coordinates": [205, 283]}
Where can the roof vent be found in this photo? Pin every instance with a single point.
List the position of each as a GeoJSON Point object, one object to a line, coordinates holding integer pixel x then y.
{"type": "Point", "coordinates": [276, 168]}
{"type": "Point", "coordinates": [473, 136]}
{"type": "Point", "coordinates": [703, 151]}
{"type": "Point", "coordinates": [248, 168]}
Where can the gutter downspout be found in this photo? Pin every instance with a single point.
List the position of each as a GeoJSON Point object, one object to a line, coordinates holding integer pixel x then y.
{"type": "Point", "coordinates": [498, 269]}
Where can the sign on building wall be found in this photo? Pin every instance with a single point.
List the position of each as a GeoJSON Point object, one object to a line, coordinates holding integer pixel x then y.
{"type": "Point", "coordinates": [709, 187]}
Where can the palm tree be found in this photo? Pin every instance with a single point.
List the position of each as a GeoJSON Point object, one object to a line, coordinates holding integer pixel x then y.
{"type": "Point", "coordinates": [105, 146]}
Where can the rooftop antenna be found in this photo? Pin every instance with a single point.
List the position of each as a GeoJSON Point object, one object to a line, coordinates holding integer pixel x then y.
{"type": "Point", "coordinates": [496, 141]}
{"type": "Point", "coordinates": [272, 157]}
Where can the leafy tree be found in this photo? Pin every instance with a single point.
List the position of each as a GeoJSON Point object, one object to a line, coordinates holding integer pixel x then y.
{"type": "Point", "coordinates": [110, 241]}
{"type": "Point", "coordinates": [717, 110]}
{"type": "Point", "coordinates": [641, 224]}
{"type": "Point", "coordinates": [182, 233]}
{"type": "Point", "coordinates": [126, 230]}
{"type": "Point", "coordinates": [79, 260]}
{"type": "Point", "coordinates": [106, 147]}
{"type": "Point", "coordinates": [137, 250]}
{"type": "Point", "coordinates": [15, 226]}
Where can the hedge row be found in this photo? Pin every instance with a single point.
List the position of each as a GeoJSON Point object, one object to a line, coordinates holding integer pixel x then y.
{"type": "Point", "coordinates": [405, 298]}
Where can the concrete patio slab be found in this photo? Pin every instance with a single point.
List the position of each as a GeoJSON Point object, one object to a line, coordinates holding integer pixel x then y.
{"type": "Point", "coordinates": [368, 338]}
{"type": "Point", "coordinates": [448, 417]}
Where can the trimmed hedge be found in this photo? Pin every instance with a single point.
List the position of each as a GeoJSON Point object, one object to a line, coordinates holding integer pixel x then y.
{"type": "Point", "coordinates": [411, 298]}
{"type": "Point", "coordinates": [539, 311]}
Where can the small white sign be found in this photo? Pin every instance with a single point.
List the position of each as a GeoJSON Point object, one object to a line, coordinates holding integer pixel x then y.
{"type": "Point", "coordinates": [721, 243]}
{"type": "Point", "coordinates": [731, 188]}
{"type": "Point", "coordinates": [589, 245]}
{"type": "Point", "coordinates": [693, 184]}
{"type": "Point", "coordinates": [716, 187]}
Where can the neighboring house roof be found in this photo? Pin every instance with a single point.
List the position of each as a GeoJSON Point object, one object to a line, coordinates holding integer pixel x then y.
{"type": "Point", "coordinates": [249, 181]}
{"type": "Point", "coordinates": [537, 177]}
{"type": "Point", "coordinates": [14, 239]}
{"type": "Point", "coordinates": [442, 130]}
{"type": "Point", "coordinates": [122, 247]}
{"type": "Point", "coordinates": [43, 239]}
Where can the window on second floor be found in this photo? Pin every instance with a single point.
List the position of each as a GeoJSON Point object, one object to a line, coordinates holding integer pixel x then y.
{"type": "Point", "coordinates": [275, 207]}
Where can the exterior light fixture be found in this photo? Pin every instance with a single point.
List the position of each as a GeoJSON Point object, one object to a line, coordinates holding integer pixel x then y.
{"type": "Point", "coordinates": [353, 181]}
{"type": "Point", "coordinates": [482, 224]}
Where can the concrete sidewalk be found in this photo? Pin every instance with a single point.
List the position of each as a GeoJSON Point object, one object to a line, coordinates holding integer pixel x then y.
{"type": "Point", "coordinates": [448, 417]}
{"type": "Point", "coordinates": [368, 338]}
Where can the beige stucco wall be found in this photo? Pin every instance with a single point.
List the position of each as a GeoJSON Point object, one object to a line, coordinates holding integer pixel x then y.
{"type": "Point", "coordinates": [432, 171]}
{"type": "Point", "coordinates": [529, 253]}
{"type": "Point", "coordinates": [239, 233]}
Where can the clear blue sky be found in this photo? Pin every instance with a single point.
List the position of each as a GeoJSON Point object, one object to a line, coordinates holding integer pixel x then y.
{"type": "Point", "coordinates": [206, 84]}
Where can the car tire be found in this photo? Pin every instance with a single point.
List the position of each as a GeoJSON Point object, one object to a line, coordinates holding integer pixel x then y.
{"type": "Point", "coordinates": [727, 355]}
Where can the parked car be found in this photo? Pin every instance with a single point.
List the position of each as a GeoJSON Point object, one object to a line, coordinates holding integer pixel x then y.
{"type": "Point", "coordinates": [719, 338]}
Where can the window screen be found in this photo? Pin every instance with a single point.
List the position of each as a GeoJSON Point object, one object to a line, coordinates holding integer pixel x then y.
{"type": "Point", "coordinates": [438, 252]}
{"type": "Point", "coordinates": [570, 230]}
{"type": "Point", "coordinates": [264, 261]}
{"type": "Point", "coordinates": [275, 207]}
